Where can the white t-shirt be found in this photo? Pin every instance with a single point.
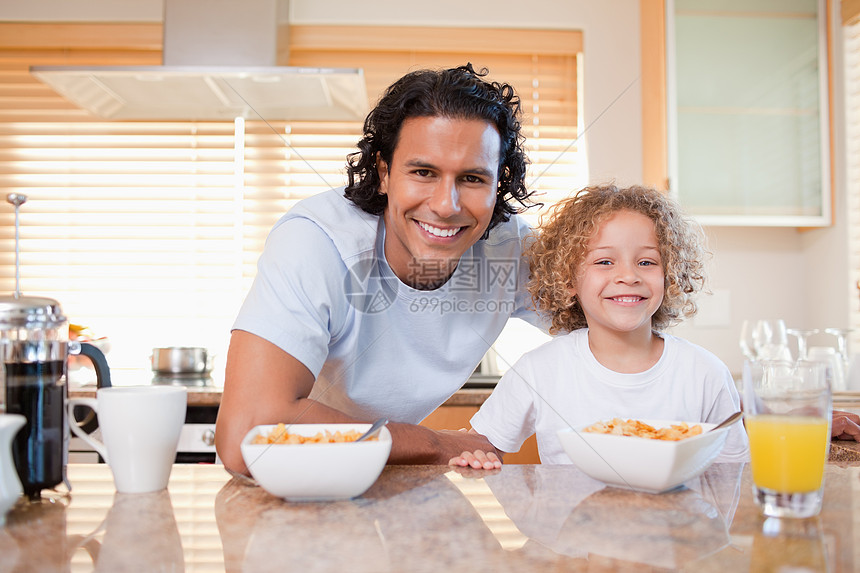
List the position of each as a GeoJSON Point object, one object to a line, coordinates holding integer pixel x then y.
{"type": "Point", "coordinates": [561, 385]}
{"type": "Point", "coordinates": [325, 294]}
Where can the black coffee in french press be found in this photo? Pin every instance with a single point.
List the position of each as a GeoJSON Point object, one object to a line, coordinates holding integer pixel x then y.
{"type": "Point", "coordinates": [34, 346]}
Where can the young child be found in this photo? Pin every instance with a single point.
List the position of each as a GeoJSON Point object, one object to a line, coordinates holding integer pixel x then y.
{"type": "Point", "coordinates": [612, 268]}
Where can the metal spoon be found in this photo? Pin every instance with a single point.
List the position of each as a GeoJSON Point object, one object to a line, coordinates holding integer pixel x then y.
{"type": "Point", "coordinates": [728, 421]}
{"type": "Point", "coordinates": [374, 429]}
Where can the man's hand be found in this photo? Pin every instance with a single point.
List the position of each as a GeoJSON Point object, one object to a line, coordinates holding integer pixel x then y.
{"type": "Point", "coordinates": [420, 445]}
{"type": "Point", "coordinates": [846, 426]}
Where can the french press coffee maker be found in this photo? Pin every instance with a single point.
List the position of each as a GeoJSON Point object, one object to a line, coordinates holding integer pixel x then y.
{"type": "Point", "coordinates": [34, 347]}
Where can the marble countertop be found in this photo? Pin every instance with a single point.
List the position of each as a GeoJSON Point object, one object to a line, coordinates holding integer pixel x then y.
{"type": "Point", "coordinates": [211, 395]}
{"type": "Point", "coordinates": [198, 395]}
{"type": "Point", "coordinates": [430, 519]}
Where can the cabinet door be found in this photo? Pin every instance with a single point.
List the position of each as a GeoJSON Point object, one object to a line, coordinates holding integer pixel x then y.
{"type": "Point", "coordinates": [748, 117]}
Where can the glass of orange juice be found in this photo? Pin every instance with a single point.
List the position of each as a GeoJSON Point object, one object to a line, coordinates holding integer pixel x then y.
{"type": "Point", "coordinates": [787, 412]}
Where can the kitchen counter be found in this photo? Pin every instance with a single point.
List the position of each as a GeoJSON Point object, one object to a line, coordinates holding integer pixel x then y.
{"type": "Point", "coordinates": [468, 396]}
{"type": "Point", "coordinates": [197, 395]}
{"type": "Point", "coordinates": [211, 395]}
{"type": "Point", "coordinates": [429, 519]}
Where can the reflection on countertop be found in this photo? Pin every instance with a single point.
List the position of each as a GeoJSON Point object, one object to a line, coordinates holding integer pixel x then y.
{"type": "Point", "coordinates": [430, 518]}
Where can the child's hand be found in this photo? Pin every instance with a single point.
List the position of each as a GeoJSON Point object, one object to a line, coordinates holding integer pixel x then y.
{"type": "Point", "coordinates": [478, 460]}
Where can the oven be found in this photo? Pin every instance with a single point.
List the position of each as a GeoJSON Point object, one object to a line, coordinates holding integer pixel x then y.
{"type": "Point", "coordinates": [196, 442]}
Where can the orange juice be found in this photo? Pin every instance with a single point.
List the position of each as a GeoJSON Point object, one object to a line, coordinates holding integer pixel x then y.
{"type": "Point", "coordinates": [787, 452]}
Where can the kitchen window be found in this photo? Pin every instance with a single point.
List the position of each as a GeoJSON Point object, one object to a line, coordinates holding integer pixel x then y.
{"type": "Point", "coordinates": [149, 232]}
{"type": "Point", "coordinates": [851, 39]}
{"type": "Point", "coordinates": [750, 120]}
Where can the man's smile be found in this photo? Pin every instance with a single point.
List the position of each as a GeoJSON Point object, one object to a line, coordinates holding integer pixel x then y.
{"type": "Point", "coordinates": [439, 231]}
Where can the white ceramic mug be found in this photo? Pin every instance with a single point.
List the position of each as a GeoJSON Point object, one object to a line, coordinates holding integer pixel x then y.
{"type": "Point", "coordinates": [140, 426]}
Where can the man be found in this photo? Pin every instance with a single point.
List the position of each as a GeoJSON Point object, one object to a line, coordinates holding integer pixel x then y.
{"type": "Point", "coordinates": [381, 298]}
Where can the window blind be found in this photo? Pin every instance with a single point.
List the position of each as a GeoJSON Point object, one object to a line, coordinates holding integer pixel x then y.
{"type": "Point", "coordinates": [149, 232]}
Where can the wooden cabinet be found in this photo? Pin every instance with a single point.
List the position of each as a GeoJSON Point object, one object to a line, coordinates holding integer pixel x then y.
{"type": "Point", "coordinates": [749, 124]}
{"type": "Point", "coordinates": [454, 417]}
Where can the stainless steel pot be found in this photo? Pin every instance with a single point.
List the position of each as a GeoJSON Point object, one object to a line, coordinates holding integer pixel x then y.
{"type": "Point", "coordinates": [181, 360]}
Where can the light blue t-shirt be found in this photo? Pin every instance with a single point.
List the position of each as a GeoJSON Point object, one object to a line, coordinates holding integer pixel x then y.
{"type": "Point", "coordinates": [377, 347]}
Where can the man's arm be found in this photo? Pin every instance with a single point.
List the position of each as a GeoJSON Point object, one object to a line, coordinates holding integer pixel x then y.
{"type": "Point", "coordinates": [845, 426]}
{"type": "Point", "coordinates": [265, 385]}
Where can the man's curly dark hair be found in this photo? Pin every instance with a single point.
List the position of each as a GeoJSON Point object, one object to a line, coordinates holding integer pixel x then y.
{"type": "Point", "coordinates": [457, 93]}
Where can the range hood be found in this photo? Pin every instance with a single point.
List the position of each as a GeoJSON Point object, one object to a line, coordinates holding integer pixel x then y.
{"type": "Point", "coordinates": [220, 62]}
{"type": "Point", "coordinates": [197, 93]}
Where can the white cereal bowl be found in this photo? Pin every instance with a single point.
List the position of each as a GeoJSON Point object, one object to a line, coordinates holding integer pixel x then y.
{"type": "Point", "coordinates": [316, 472]}
{"type": "Point", "coordinates": [643, 464]}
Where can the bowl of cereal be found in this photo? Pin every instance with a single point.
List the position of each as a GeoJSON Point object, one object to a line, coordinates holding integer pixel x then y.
{"type": "Point", "coordinates": [643, 455]}
{"type": "Point", "coordinates": [315, 462]}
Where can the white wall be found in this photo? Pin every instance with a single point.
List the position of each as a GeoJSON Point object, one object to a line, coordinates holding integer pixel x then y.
{"type": "Point", "coordinates": [82, 11]}
{"type": "Point", "coordinates": [801, 276]}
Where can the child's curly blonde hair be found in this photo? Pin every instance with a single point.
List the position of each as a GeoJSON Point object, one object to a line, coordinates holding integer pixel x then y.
{"type": "Point", "coordinates": [558, 250]}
